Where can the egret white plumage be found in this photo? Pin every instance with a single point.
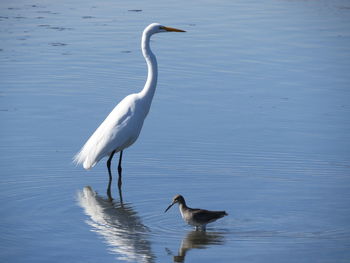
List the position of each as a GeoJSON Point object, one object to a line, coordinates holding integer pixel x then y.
{"type": "Point", "coordinates": [123, 125]}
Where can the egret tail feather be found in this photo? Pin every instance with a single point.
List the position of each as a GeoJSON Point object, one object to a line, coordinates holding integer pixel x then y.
{"type": "Point", "coordinates": [80, 158]}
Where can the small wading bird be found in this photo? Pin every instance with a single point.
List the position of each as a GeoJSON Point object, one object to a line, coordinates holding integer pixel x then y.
{"type": "Point", "coordinates": [195, 216]}
{"type": "Point", "coordinates": [123, 125]}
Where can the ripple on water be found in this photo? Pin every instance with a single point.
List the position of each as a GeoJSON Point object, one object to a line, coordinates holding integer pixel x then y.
{"type": "Point", "coordinates": [87, 17]}
{"type": "Point", "coordinates": [271, 231]}
{"type": "Point", "coordinates": [58, 44]}
{"type": "Point", "coordinates": [163, 227]}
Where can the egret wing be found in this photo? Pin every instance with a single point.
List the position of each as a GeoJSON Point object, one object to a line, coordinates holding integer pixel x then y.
{"type": "Point", "coordinates": [116, 132]}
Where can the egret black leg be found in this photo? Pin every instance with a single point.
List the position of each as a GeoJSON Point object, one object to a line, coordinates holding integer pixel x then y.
{"type": "Point", "coordinates": [110, 175]}
{"type": "Point", "coordinates": [120, 170]}
{"type": "Point", "coordinates": [120, 177]}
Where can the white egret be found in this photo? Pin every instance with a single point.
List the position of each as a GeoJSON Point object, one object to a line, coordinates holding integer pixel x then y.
{"type": "Point", "coordinates": [123, 125]}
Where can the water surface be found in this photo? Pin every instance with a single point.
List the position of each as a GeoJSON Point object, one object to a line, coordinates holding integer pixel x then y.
{"type": "Point", "coordinates": [251, 115]}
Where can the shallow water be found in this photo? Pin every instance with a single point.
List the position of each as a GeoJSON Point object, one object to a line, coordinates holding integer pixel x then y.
{"type": "Point", "coordinates": [251, 115]}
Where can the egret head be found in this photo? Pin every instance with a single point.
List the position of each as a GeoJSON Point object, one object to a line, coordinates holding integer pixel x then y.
{"type": "Point", "coordinates": [158, 28]}
{"type": "Point", "coordinates": [177, 199]}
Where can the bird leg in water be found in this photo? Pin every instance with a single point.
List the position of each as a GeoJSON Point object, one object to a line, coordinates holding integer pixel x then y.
{"type": "Point", "coordinates": [120, 178]}
{"type": "Point", "coordinates": [110, 175]}
{"type": "Point", "coordinates": [120, 171]}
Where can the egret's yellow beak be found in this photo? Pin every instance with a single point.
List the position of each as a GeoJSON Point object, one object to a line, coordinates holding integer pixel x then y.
{"type": "Point", "coordinates": [171, 29]}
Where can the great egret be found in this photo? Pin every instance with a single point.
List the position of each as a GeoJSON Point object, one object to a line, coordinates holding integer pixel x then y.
{"type": "Point", "coordinates": [123, 125]}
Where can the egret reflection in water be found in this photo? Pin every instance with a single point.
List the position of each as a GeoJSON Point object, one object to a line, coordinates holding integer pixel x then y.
{"type": "Point", "coordinates": [119, 225]}
{"type": "Point", "coordinates": [198, 240]}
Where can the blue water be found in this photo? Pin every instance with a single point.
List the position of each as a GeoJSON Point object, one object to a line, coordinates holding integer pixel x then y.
{"type": "Point", "coordinates": [251, 116]}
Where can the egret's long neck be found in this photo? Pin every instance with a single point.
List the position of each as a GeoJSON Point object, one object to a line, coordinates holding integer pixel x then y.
{"type": "Point", "coordinates": [151, 83]}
